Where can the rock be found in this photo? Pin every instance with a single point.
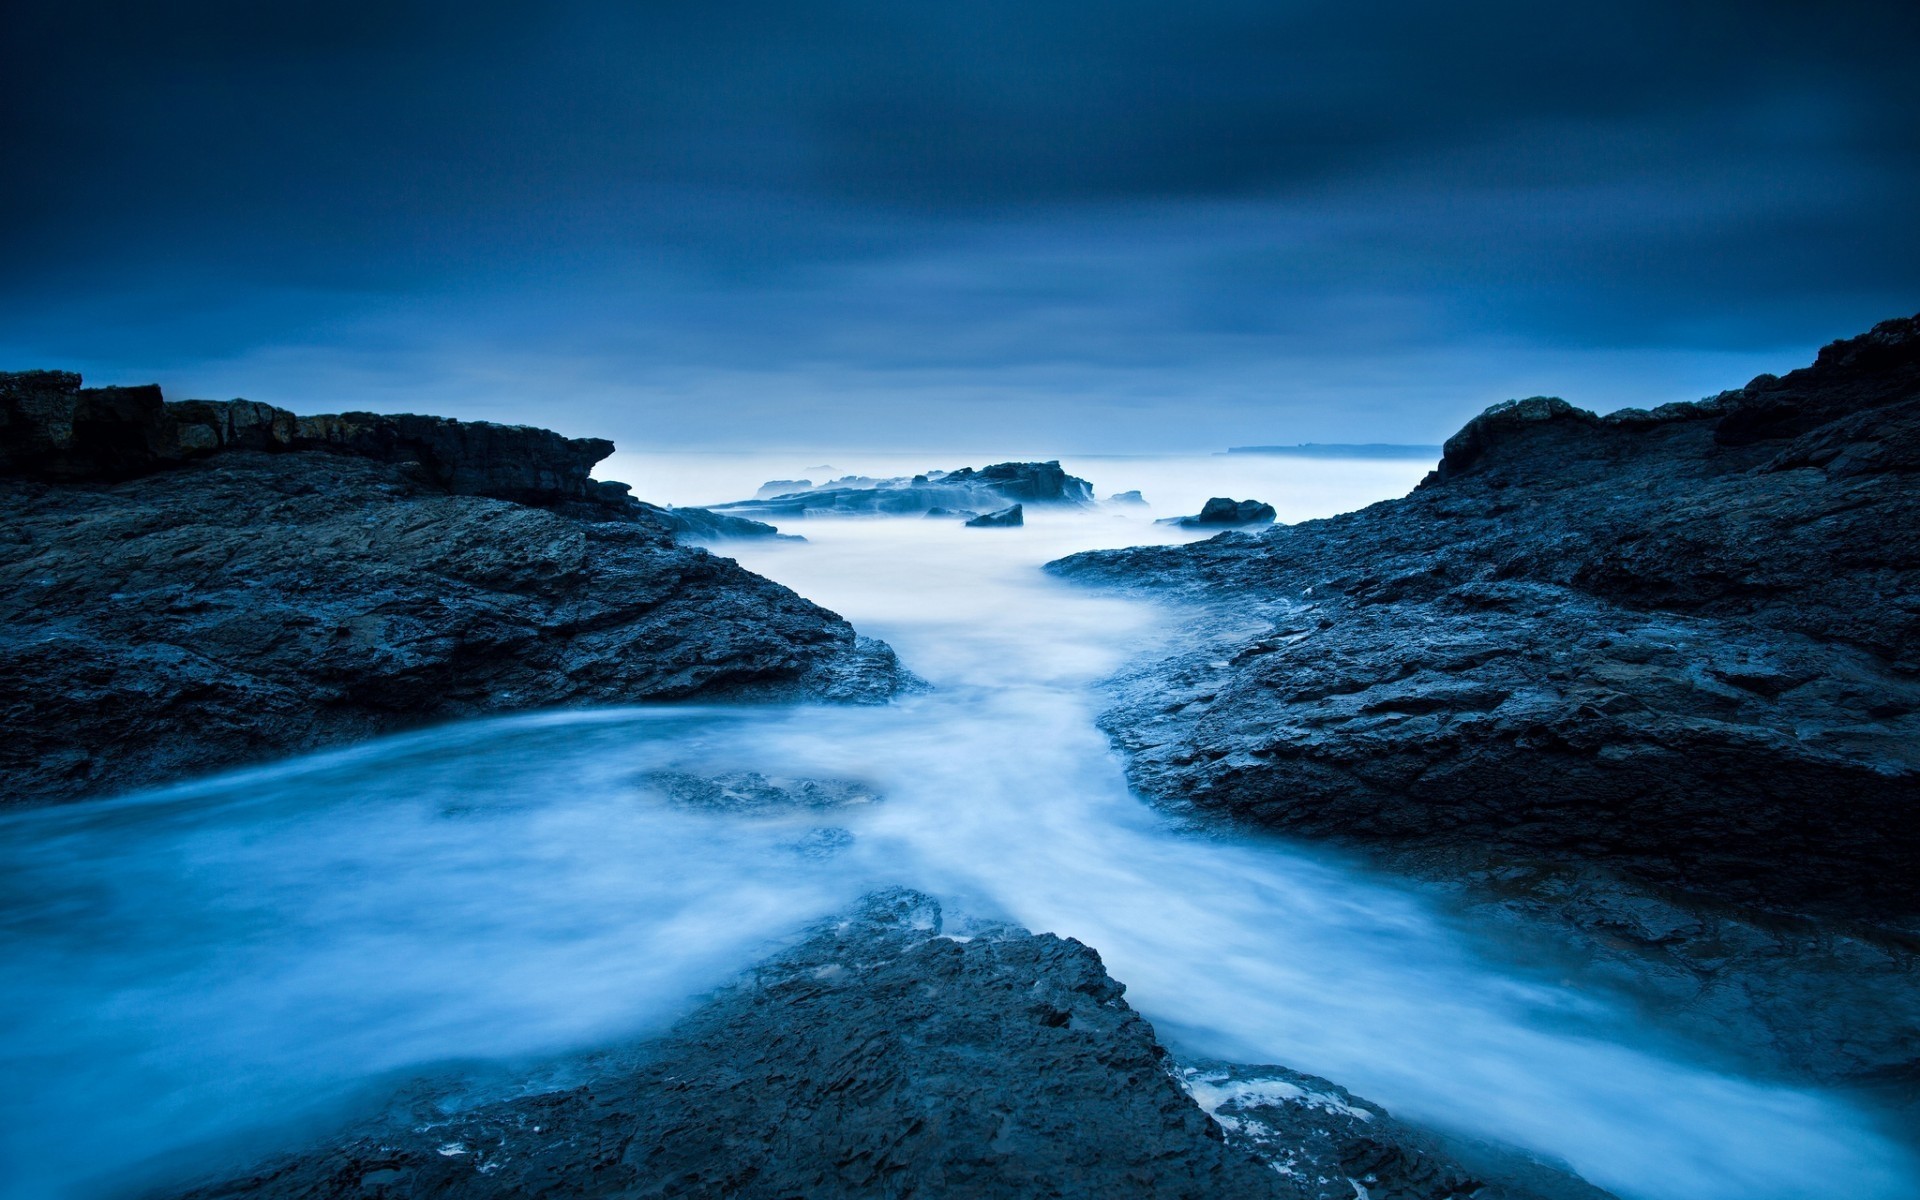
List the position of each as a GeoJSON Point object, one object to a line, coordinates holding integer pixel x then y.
{"type": "Point", "coordinates": [749, 793]}
{"type": "Point", "coordinates": [52, 428]}
{"type": "Point", "coordinates": [1222, 511]}
{"type": "Point", "coordinates": [881, 1056]}
{"type": "Point", "coordinates": [245, 604]}
{"type": "Point", "coordinates": [1133, 497]}
{"type": "Point", "coordinates": [964, 514]}
{"type": "Point", "coordinates": [1005, 518]}
{"type": "Point", "coordinates": [1031, 483]}
{"type": "Point", "coordinates": [1674, 647]}
{"type": "Point", "coordinates": [781, 487]}
{"type": "Point", "coordinates": [703, 524]}
{"type": "Point", "coordinates": [966, 490]}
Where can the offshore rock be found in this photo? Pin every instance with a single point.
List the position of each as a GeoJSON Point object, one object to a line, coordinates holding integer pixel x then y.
{"type": "Point", "coordinates": [883, 1057]}
{"type": "Point", "coordinates": [239, 604]}
{"type": "Point", "coordinates": [1661, 661]}
{"type": "Point", "coordinates": [966, 490]}
{"type": "Point", "coordinates": [1006, 518]}
{"type": "Point", "coordinates": [1225, 513]}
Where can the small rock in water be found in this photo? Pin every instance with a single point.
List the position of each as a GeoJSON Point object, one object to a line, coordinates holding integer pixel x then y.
{"type": "Point", "coordinates": [1003, 519]}
{"type": "Point", "coordinates": [1224, 511]}
{"type": "Point", "coordinates": [1133, 497]}
{"type": "Point", "coordinates": [749, 793]}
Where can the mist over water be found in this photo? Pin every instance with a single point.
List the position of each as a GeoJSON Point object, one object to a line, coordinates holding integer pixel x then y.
{"type": "Point", "coordinates": [244, 951]}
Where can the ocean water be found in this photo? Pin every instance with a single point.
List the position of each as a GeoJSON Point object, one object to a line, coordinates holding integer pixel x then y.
{"type": "Point", "coordinates": [195, 975]}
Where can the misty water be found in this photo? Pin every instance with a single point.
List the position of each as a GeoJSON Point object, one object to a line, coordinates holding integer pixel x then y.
{"type": "Point", "coordinates": [202, 973]}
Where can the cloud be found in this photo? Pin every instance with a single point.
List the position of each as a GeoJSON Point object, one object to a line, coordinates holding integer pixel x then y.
{"type": "Point", "coordinates": [1030, 205]}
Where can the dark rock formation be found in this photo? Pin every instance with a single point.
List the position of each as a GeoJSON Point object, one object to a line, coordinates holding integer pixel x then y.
{"type": "Point", "coordinates": [1005, 518]}
{"type": "Point", "coordinates": [1133, 497]}
{"type": "Point", "coordinates": [963, 514]}
{"type": "Point", "coordinates": [234, 604]}
{"type": "Point", "coordinates": [781, 487]}
{"type": "Point", "coordinates": [1671, 652]}
{"type": "Point", "coordinates": [883, 1058]}
{"type": "Point", "coordinates": [966, 490]}
{"type": "Point", "coordinates": [52, 428]}
{"type": "Point", "coordinates": [1225, 513]}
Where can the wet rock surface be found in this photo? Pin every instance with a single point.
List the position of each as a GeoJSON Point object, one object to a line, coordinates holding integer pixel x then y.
{"type": "Point", "coordinates": [1652, 678]}
{"type": "Point", "coordinates": [749, 793]}
{"type": "Point", "coordinates": [969, 490]}
{"type": "Point", "coordinates": [884, 1056]}
{"type": "Point", "coordinates": [242, 604]}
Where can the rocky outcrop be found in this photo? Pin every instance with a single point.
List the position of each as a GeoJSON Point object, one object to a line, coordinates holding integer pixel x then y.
{"type": "Point", "coordinates": [887, 1056]}
{"type": "Point", "coordinates": [240, 604]}
{"type": "Point", "coordinates": [1221, 512]}
{"type": "Point", "coordinates": [1673, 652]}
{"type": "Point", "coordinates": [1006, 518]}
{"type": "Point", "coordinates": [52, 428]}
{"type": "Point", "coordinates": [970, 490]}
{"type": "Point", "coordinates": [1132, 497]}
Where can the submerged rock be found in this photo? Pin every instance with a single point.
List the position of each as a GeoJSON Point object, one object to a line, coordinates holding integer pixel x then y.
{"type": "Point", "coordinates": [1133, 497]}
{"type": "Point", "coordinates": [749, 793]}
{"type": "Point", "coordinates": [1005, 518]}
{"type": "Point", "coordinates": [170, 615]}
{"type": "Point", "coordinates": [885, 1056]}
{"type": "Point", "coordinates": [1675, 648]}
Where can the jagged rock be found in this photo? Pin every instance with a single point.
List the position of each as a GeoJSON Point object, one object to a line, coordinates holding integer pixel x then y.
{"type": "Point", "coordinates": [966, 490]}
{"type": "Point", "coordinates": [1133, 497]}
{"type": "Point", "coordinates": [240, 604]}
{"type": "Point", "coordinates": [1679, 647]}
{"type": "Point", "coordinates": [881, 1056]}
{"type": "Point", "coordinates": [781, 487]}
{"type": "Point", "coordinates": [1031, 483]}
{"type": "Point", "coordinates": [1005, 518]}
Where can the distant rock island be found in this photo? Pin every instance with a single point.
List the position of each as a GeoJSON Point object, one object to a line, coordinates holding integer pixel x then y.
{"type": "Point", "coordinates": [192, 585]}
{"type": "Point", "coordinates": [1343, 450]}
{"type": "Point", "coordinates": [968, 492]}
{"type": "Point", "coordinates": [1652, 677]}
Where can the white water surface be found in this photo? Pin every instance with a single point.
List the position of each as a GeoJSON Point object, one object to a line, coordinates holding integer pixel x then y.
{"type": "Point", "coordinates": [248, 952]}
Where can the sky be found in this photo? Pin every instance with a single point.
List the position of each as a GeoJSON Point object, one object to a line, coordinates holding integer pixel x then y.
{"type": "Point", "coordinates": [1039, 226]}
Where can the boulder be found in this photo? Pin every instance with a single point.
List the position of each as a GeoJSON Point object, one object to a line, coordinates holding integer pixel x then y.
{"type": "Point", "coordinates": [1005, 518]}
{"type": "Point", "coordinates": [1133, 497]}
{"type": "Point", "coordinates": [1224, 513]}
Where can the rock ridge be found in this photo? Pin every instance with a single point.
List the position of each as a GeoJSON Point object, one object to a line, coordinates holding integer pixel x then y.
{"type": "Point", "coordinates": [1649, 663]}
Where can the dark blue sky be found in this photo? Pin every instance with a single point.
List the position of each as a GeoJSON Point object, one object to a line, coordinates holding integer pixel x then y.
{"type": "Point", "coordinates": [1044, 226]}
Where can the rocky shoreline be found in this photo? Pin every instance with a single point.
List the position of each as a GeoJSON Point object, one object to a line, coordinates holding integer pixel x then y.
{"type": "Point", "coordinates": [1648, 681]}
{"type": "Point", "coordinates": [190, 586]}
{"type": "Point", "coordinates": [896, 1053]}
